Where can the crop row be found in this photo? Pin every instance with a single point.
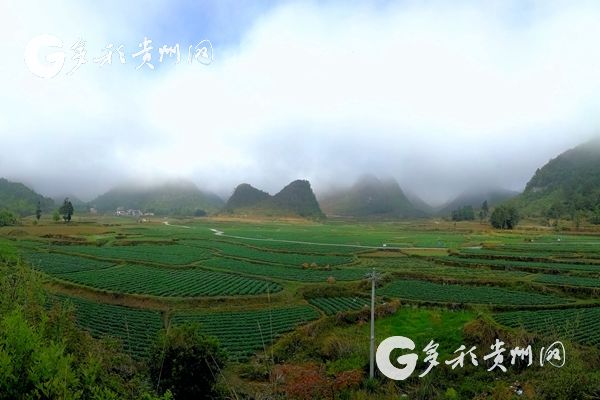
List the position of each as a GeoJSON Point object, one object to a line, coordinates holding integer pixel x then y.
{"type": "Point", "coordinates": [162, 254]}
{"type": "Point", "coordinates": [453, 293]}
{"type": "Point", "coordinates": [242, 333]}
{"type": "Point", "coordinates": [580, 325]}
{"type": "Point", "coordinates": [415, 265]}
{"type": "Point", "coordinates": [56, 264]}
{"type": "Point", "coordinates": [333, 305]}
{"type": "Point", "coordinates": [135, 328]}
{"type": "Point", "coordinates": [524, 264]}
{"type": "Point", "coordinates": [156, 281]}
{"type": "Point", "coordinates": [294, 259]}
{"type": "Point", "coordinates": [569, 280]}
{"type": "Point", "coordinates": [286, 272]}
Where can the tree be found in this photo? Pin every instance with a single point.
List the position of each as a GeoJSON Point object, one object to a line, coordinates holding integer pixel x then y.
{"type": "Point", "coordinates": [465, 213]}
{"type": "Point", "coordinates": [186, 362]}
{"type": "Point", "coordinates": [7, 218]}
{"type": "Point", "coordinates": [505, 217]}
{"type": "Point", "coordinates": [38, 211]}
{"type": "Point", "coordinates": [485, 209]}
{"type": "Point", "coordinates": [66, 210]}
{"type": "Point", "coordinates": [55, 216]}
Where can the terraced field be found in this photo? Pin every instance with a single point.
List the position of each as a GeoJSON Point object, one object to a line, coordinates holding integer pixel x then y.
{"type": "Point", "coordinates": [164, 282]}
{"type": "Point", "coordinates": [453, 293]}
{"type": "Point", "coordinates": [243, 333]}
{"type": "Point", "coordinates": [286, 272]}
{"type": "Point", "coordinates": [135, 328]}
{"type": "Point", "coordinates": [227, 249]}
{"type": "Point", "coordinates": [333, 305]}
{"type": "Point", "coordinates": [569, 280]}
{"type": "Point", "coordinates": [580, 325]}
{"type": "Point", "coordinates": [59, 264]}
{"type": "Point", "coordinates": [524, 265]}
{"type": "Point", "coordinates": [160, 254]}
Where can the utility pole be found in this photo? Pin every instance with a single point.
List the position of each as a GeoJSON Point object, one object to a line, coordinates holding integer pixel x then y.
{"type": "Point", "coordinates": [373, 277]}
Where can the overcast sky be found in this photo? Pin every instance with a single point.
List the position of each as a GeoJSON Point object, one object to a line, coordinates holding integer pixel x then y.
{"type": "Point", "coordinates": [443, 96]}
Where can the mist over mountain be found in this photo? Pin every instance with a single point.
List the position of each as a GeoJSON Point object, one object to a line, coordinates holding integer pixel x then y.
{"type": "Point", "coordinates": [169, 198]}
{"type": "Point", "coordinates": [476, 197]}
{"type": "Point", "coordinates": [371, 197]}
{"type": "Point", "coordinates": [296, 199]}
{"type": "Point", "coordinates": [567, 183]}
{"type": "Point", "coordinates": [21, 200]}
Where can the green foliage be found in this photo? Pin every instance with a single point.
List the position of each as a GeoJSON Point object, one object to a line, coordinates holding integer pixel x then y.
{"type": "Point", "coordinates": [55, 216]}
{"type": "Point", "coordinates": [7, 218]}
{"type": "Point", "coordinates": [66, 210]}
{"type": "Point", "coordinates": [186, 363]}
{"type": "Point", "coordinates": [465, 213]}
{"type": "Point", "coordinates": [44, 356]}
{"type": "Point", "coordinates": [571, 181]}
{"type": "Point", "coordinates": [20, 199]}
{"type": "Point", "coordinates": [505, 217]}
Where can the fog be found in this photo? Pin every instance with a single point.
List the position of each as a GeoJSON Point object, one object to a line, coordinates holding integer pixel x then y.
{"type": "Point", "coordinates": [442, 96]}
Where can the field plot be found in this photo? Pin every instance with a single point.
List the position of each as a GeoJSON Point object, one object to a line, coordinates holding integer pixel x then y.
{"type": "Point", "coordinates": [243, 333]}
{"type": "Point", "coordinates": [569, 280]}
{"type": "Point", "coordinates": [156, 281]}
{"type": "Point", "coordinates": [581, 325]}
{"type": "Point", "coordinates": [524, 265]}
{"type": "Point", "coordinates": [58, 264]}
{"type": "Point", "coordinates": [161, 254]}
{"type": "Point", "coordinates": [333, 305]}
{"type": "Point", "coordinates": [135, 328]}
{"type": "Point", "coordinates": [286, 272]}
{"type": "Point", "coordinates": [233, 250]}
{"type": "Point", "coordinates": [452, 293]}
{"type": "Point", "coordinates": [420, 266]}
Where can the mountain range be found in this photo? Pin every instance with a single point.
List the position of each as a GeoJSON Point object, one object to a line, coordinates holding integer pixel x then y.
{"type": "Point", "coordinates": [296, 199]}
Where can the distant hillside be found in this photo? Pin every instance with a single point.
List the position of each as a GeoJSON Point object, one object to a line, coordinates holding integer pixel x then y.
{"type": "Point", "coordinates": [371, 197]}
{"type": "Point", "coordinates": [172, 198]}
{"type": "Point", "coordinates": [419, 203]}
{"type": "Point", "coordinates": [568, 182]}
{"type": "Point", "coordinates": [21, 200]}
{"type": "Point", "coordinates": [245, 195]}
{"type": "Point", "coordinates": [476, 199]}
{"type": "Point", "coordinates": [296, 199]}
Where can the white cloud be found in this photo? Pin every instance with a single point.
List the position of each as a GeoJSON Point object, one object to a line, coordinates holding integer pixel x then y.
{"type": "Point", "coordinates": [439, 96]}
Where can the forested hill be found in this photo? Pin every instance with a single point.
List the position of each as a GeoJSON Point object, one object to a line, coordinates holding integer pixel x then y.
{"type": "Point", "coordinates": [566, 184]}
{"type": "Point", "coordinates": [19, 199]}
{"type": "Point", "coordinates": [295, 200]}
{"type": "Point", "coordinates": [371, 197]}
{"type": "Point", "coordinates": [172, 198]}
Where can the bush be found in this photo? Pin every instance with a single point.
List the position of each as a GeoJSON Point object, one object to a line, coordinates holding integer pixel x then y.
{"type": "Point", "coordinates": [505, 217]}
{"type": "Point", "coordinates": [186, 363]}
{"type": "Point", "coordinates": [7, 218]}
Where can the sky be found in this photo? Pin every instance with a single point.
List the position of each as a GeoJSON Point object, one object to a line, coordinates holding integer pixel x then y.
{"type": "Point", "coordinates": [442, 96]}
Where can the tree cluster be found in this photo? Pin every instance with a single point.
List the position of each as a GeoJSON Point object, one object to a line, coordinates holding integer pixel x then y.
{"type": "Point", "coordinates": [505, 217]}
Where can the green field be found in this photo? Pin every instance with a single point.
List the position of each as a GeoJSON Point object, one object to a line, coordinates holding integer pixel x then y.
{"type": "Point", "coordinates": [580, 325]}
{"type": "Point", "coordinates": [333, 305]}
{"type": "Point", "coordinates": [247, 286]}
{"type": "Point", "coordinates": [453, 293]}
{"type": "Point", "coordinates": [245, 332]}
